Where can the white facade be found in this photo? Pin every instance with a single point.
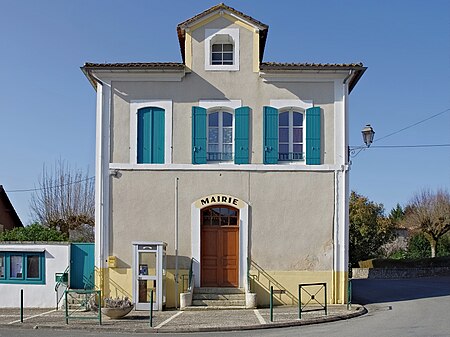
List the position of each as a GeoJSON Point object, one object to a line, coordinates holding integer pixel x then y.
{"type": "Point", "coordinates": [35, 295]}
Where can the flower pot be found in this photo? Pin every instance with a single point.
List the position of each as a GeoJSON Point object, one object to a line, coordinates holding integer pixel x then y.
{"type": "Point", "coordinates": [116, 313]}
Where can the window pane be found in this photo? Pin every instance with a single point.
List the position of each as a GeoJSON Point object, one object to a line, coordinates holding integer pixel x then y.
{"type": "Point", "coordinates": [2, 266]}
{"type": "Point", "coordinates": [216, 56]}
{"type": "Point", "coordinates": [213, 119]}
{"type": "Point", "coordinates": [33, 266]}
{"type": "Point", "coordinates": [16, 266]}
{"type": "Point", "coordinates": [298, 135]}
{"type": "Point", "coordinates": [213, 148]}
{"type": "Point", "coordinates": [283, 135]}
{"type": "Point", "coordinates": [213, 135]}
{"type": "Point", "coordinates": [227, 119]}
{"type": "Point", "coordinates": [284, 119]}
{"type": "Point", "coordinates": [215, 221]}
{"type": "Point", "coordinates": [233, 221]}
{"type": "Point", "coordinates": [217, 47]}
{"type": "Point", "coordinates": [228, 56]}
{"type": "Point", "coordinates": [227, 148]}
{"type": "Point", "coordinates": [298, 148]}
{"type": "Point", "coordinates": [283, 148]}
{"type": "Point", "coordinates": [298, 119]}
{"type": "Point", "coordinates": [227, 47]}
{"type": "Point", "coordinates": [228, 135]}
{"type": "Point", "coordinates": [227, 62]}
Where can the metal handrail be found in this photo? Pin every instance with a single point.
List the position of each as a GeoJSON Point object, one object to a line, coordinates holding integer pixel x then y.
{"type": "Point", "coordinates": [291, 156]}
{"type": "Point", "coordinates": [58, 285]}
{"type": "Point", "coordinates": [191, 274]}
{"type": "Point", "coordinates": [220, 156]}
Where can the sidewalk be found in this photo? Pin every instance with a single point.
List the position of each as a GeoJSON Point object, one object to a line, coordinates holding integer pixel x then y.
{"type": "Point", "coordinates": [179, 321]}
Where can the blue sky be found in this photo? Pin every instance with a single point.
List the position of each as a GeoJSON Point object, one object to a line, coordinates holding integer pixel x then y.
{"type": "Point", "coordinates": [47, 106]}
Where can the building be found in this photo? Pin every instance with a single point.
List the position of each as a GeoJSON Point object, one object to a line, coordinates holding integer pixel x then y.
{"type": "Point", "coordinates": [239, 165]}
{"type": "Point", "coordinates": [8, 215]}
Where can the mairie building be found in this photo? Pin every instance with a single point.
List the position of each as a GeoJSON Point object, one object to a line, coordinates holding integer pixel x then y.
{"type": "Point", "coordinates": [222, 171]}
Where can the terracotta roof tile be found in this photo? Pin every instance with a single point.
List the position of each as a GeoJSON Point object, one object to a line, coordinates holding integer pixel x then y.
{"type": "Point", "coordinates": [312, 66]}
{"type": "Point", "coordinates": [136, 65]}
{"type": "Point", "coordinates": [222, 6]}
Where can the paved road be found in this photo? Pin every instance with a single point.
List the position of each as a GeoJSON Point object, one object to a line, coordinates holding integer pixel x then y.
{"type": "Point", "coordinates": [397, 308]}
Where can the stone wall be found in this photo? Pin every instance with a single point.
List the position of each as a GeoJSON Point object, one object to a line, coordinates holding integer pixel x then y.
{"type": "Point", "coordinates": [393, 273]}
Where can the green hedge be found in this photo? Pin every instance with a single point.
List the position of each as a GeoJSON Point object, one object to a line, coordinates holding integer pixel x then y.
{"type": "Point", "coordinates": [443, 261]}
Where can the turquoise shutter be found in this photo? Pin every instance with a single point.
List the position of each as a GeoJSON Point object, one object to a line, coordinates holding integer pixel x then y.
{"type": "Point", "coordinates": [241, 130]}
{"type": "Point", "coordinates": [198, 135]}
{"type": "Point", "coordinates": [144, 141]}
{"type": "Point", "coordinates": [313, 130]}
{"type": "Point", "coordinates": [158, 136]}
{"type": "Point", "coordinates": [270, 135]}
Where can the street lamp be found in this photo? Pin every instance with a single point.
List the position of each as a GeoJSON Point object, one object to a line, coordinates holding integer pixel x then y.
{"type": "Point", "coordinates": [367, 134]}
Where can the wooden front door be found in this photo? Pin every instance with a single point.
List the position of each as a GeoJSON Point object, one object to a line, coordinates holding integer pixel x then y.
{"type": "Point", "coordinates": [220, 247]}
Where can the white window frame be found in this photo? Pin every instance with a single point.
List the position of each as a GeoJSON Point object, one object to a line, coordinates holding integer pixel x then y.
{"type": "Point", "coordinates": [135, 105]}
{"type": "Point", "coordinates": [209, 36]}
{"type": "Point", "coordinates": [298, 105]}
{"type": "Point", "coordinates": [220, 111]}
{"type": "Point", "coordinates": [291, 111]}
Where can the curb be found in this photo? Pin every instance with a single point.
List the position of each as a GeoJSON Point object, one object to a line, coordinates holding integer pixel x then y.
{"type": "Point", "coordinates": [360, 310]}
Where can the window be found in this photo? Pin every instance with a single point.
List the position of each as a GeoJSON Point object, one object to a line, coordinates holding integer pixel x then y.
{"type": "Point", "coordinates": [292, 136]}
{"type": "Point", "coordinates": [17, 267]}
{"type": "Point", "coordinates": [222, 53]}
{"type": "Point", "coordinates": [150, 135]}
{"type": "Point", "coordinates": [290, 131]}
{"type": "Point", "coordinates": [222, 49]}
{"type": "Point", "coordinates": [220, 136]}
{"type": "Point", "coordinates": [220, 216]}
{"type": "Point", "coordinates": [2, 266]}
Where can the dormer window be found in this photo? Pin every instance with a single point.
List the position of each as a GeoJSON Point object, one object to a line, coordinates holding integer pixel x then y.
{"type": "Point", "coordinates": [222, 53]}
{"type": "Point", "coordinates": [222, 49]}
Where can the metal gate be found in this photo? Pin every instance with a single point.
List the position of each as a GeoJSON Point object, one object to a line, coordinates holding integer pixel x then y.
{"type": "Point", "coordinates": [82, 266]}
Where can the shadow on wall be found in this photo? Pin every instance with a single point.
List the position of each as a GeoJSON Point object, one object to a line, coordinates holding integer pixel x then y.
{"type": "Point", "coordinates": [260, 283]}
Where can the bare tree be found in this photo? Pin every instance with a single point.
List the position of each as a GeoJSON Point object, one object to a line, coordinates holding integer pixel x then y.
{"type": "Point", "coordinates": [65, 200]}
{"type": "Point", "coordinates": [429, 213]}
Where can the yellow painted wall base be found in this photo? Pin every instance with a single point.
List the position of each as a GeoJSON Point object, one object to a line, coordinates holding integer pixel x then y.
{"type": "Point", "coordinates": [288, 282]}
{"type": "Point", "coordinates": [118, 282]}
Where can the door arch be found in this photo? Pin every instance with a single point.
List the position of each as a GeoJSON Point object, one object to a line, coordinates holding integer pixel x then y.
{"type": "Point", "coordinates": [219, 259]}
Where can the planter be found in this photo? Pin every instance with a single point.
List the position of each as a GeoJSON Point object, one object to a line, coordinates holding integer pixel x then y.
{"type": "Point", "coordinates": [116, 313]}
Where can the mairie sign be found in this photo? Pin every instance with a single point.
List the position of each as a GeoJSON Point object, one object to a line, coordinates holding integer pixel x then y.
{"type": "Point", "coordinates": [219, 199]}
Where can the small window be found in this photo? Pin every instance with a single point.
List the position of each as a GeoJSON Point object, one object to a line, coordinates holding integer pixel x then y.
{"type": "Point", "coordinates": [290, 136]}
{"type": "Point", "coordinates": [2, 266]}
{"type": "Point", "coordinates": [222, 49]}
{"type": "Point", "coordinates": [220, 136]}
{"type": "Point", "coordinates": [16, 266]}
{"type": "Point", "coordinates": [22, 268]}
{"type": "Point", "coordinates": [222, 54]}
{"type": "Point", "coordinates": [220, 216]}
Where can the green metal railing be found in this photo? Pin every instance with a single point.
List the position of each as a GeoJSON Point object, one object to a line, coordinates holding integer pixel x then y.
{"type": "Point", "coordinates": [62, 279]}
{"type": "Point", "coordinates": [350, 287]}
{"type": "Point", "coordinates": [191, 274]}
{"type": "Point", "coordinates": [89, 295]}
{"type": "Point", "coordinates": [318, 288]}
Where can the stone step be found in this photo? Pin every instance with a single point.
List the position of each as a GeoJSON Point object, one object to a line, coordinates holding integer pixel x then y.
{"type": "Point", "coordinates": [218, 303]}
{"type": "Point", "coordinates": [223, 297]}
{"type": "Point", "coordinates": [209, 307]}
{"type": "Point", "coordinates": [211, 290]}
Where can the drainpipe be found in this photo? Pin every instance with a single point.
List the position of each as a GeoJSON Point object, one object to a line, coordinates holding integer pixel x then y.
{"type": "Point", "coordinates": [176, 242]}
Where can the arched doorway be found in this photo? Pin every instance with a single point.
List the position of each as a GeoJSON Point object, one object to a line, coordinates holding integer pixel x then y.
{"type": "Point", "coordinates": [219, 246]}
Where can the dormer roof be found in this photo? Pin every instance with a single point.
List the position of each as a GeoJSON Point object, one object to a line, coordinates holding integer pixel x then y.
{"type": "Point", "coordinates": [222, 9]}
